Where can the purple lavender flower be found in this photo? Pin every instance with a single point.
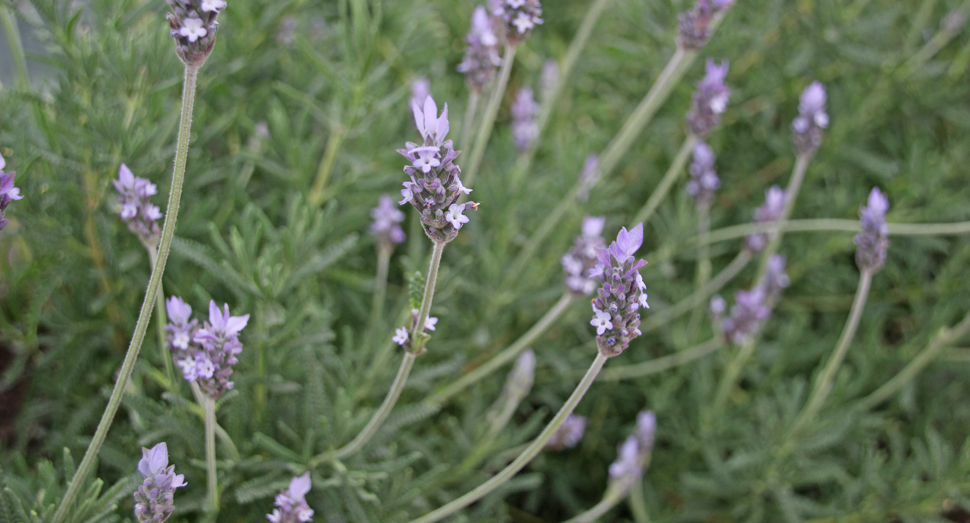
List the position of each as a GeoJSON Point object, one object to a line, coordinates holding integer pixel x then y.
{"type": "Point", "coordinates": [519, 17]}
{"type": "Point", "coordinates": [420, 90]}
{"type": "Point", "coordinates": [385, 227]}
{"type": "Point", "coordinates": [583, 256]}
{"type": "Point", "coordinates": [521, 376]}
{"type": "Point", "coordinates": [154, 499]}
{"type": "Point", "coordinates": [435, 187]}
{"type": "Point", "coordinates": [634, 453]}
{"type": "Point", "coordinates": [622, 292]}
{"type": "Point", "coordinates": [747, 315]}
{"type": "Point", "coordinates": [8, 192]}
{"type": "Point", "coordinates": [137, 210]}
{"type": "Point", "coordinates": [401, 336]}
{"type": "Point", "coordinates": [811, 120]}
{"type": "Point", "coordinates": [193, 25]}
{"type": "Point", "coordinates": [208, 360]}
{"type": "Point", "coordinates": [873, 241]}
{"type": "Point", "coordinates": [710, 100]}
{"type": "Point", "coordinates": [291, 505]}
{"type": "Point", "coordinates": [481, 56]}
{"type": "Point", "coordinates": [703, 178]}
{"type": "Point", "coordinates": [181, 328]}
{"type": "Point", "coordinates": [548, 80]}
{"type": "Point", "coordinates": [775, 280]}
{"type": "Point", "coordinates": [588, 177]}
{"type": "Point", "coordinates": [772, 210]}
{"type": "Point", "coordinates": [525, 129]}
{"type": "Point", "coordinates": [695, 25]}
{"type": "Point", "coordinates": [569, 433]}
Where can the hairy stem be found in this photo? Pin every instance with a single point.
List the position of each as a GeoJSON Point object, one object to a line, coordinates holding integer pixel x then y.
{"type": "Point", "coordinates": [731, 374]}
{"type": "Point", "coordinates": [611, 499]}
{"type": "Point", "coordinates": [827, 224]}
{"type": "Point", "coordinates": [673, 172]}
{"type": "Point", "coordinates": [703, 269]}
{"type": "Point", "coordinates": [823, 385]}
{"type": "Point", "coordinates": [488, 119]}
{"type": "Point", "coordinates": [658, 365]}
{"type": "Point", "coordinates": [212, 479]}
{"type": "Point", "coordinates": [466, 125]}
{"type": "Point", "coordinates": [508, 354]}
{"type": "Point", "coordinates": [144, 317]}
{"type": "Point", "coordinates": [160, 320]}
{"type": "Point", "coordinates": [527, 455]}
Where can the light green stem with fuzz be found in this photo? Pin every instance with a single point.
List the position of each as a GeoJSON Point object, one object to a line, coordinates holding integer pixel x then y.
{"type": "Point", "coordinates": [154, 284]}
{"type": "Point", "coordinates": [466, 124]}
{"type": "Point", "coordinates": [658, 365]}
{"type": "Point", "coordinates": [211, 474]}
{"type": "Point", "coordinates": [161, 318]}
{"type": "Point", "coordinates": [944, 338]}
{"type": "Point", "coordinates": [488, 119]}
{"type": "Point", "coordinates": [527, 455]}
{"type": "Point", "coordinates": [336, 139]}
{"type": "Point", "coordinates": [827, 224]}
{"type": "Point", "coordinates": [791, 194]}
{"type": "Point", "coordinates": [703, 268]}
{"type": "Point", "coordinates": [611, 498]}
{"type": "Point", "coordinates": [730, 378]}
{"type": "Point", "coordinates": [508, 354]}
{"type": "Point", "coordinates": [660, 192]}
{"type": "Point", "coordinates": [380, 286]}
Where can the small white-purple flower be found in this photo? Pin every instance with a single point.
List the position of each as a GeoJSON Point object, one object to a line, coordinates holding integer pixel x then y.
{"type": "Point", "coordinates": [432, 127]}
{"type": "Point", "coordinates": [430, 323]}
{"type": "Point", "coordinates": [291, 505]}
{"type": "Point", "coordinates": [400, 336]}
{"type": "Point", "coordinates": [454, 215]}
{"type": "Point", "coordinates": [213, 6]}
{"type": "Point", "coordinates": [193, 29]}
{"type": "Point", "coordinates": [602, 321]}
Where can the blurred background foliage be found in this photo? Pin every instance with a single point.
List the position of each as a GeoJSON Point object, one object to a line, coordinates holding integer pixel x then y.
{"type": "Point", "coordinates": [291, 78]}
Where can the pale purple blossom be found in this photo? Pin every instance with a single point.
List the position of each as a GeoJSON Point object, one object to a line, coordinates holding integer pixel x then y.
{"type": "Point", "coordinates": [811, 120]}
{"type": "Point", "coordinates": [620, 295]}
{"type": "Point", "coordinates": [583, 256]}
{"type": "Point", "coordinates": [873, 241]}
{"type": "Point", "coordinates": [154, 499]}
{"type": "Point", "coordinates": [137, 210]}
{"type": "Point", "coordinates": [703, 177]}
{"type": "Point", "coordinates": [181, 328]}
{"type": "Point", "coordinates": [481, 56]}
{"type": "Point", "coordinates": [772, 210]}
{"type": "Point", "coordinates": [633, 454]}
{"type": "Point", "coordinates": [8, 192]}
{"type": "Point", "coordinates": [400, 336]}
{"type": "Point", "coordinates": [290, 503]}
{"type": "Point", "coordinates": [209, 358]}
{"type": "Point", "coordinates": [386, 226]}
{"type": "Point", "coordinates": [775, 280]}
{"type": "Point", "coordinates": [519, 18]}
{"type": "Point", "coordinates": [695, 25]}
{"type": "Point", "coordinates": [710, 100]}
{"type": "Point", "coordinates": [569, 433]}
{"type": "Point", "coordinates": [627, 464]}
{"type": "Point", "coordinates": [193, 26]}
{"type": "Point", "coordinates": [525, 129]}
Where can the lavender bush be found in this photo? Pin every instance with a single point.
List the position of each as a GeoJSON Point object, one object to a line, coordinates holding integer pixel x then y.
{"type": "Point", "coordinates": [409, 360]}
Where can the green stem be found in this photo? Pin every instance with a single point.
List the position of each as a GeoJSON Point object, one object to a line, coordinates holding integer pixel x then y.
{"type": "Point", "coordinates": [661, 318]}
{"type": "Point", "coordinates": [638, 505]}
{"type": "Point", "coordinates": [826, 224]}
{"type": "Point", "coordinates": [160, 320]}
{"type": "Point", "coordinates": [673, 172]}
{"type": "Point", "coordinates": [611, 499]}
{"type": "Point", "coordinates": [703, 269]}
{"type": "Point", "coordinates": [946, 33]}
{"type": "Point", "coordinates": [212, 479]}
{"type": "Point", "coordinates": [508, 354]}
{"type": "Point", "coordinates": [657, 365]}
{"type": "Point", "coordinates": [336, 139]}
{"type": "Point", "coordinates": [823, 385]}
{"type": "Point", "coordinates": [730, 378]}
{"type": "Point", "coordinates": [488, 119]}
{"type": "Point", "coordinates": [791, 194]}
{"type": "Point", "coordinates": [466, 124]}
{"type": "Point", "coordinates": [527, 455]}
{"type": "Point", "coordinates": [552, 221]}
{"type": "Point", "coordinates": [16, 46]}
{"type": "Point", "coordinates": [144, 317]}
{"type": "Point", "coordinates": [418, 340]}
{"type": "Point", "coordinates": [944, 338]}
{"type": "Point", "coordinates": [380, 286]}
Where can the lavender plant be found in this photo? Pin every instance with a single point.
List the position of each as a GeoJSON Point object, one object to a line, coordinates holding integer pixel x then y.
{"type": "Point", "coordinates": [155, 498]}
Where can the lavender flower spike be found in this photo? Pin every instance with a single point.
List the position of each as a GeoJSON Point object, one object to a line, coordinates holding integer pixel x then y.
{"type": "Point", "coordinates": [695, 25]}
{"type": "Point", "coordinates": [519, 18]}
{"type": "Point", "coordinates": [569, 434]}
{"type": "Point", "coordinates": [481, 56]}
{"type": "Point", "coordinates": [193, 25]}
{"type": "Point", "coordinates": [525, 129]}
{"type": "Point", "coordinates": [775, 280]}
{"type": "Point", "coordinates": [8, 192]}
{"type": "Point", "coordinates": [209, 359]}
{"type": "Point", "coordinates": [291, 505]}
{"type": "Point", "coordinates": [747, 315]}
{"type": "Point", "coordinates": [154, 499]}
{"type": "Point", "coordinates": [771, 211]}
{"type": "Point", "coordinates": [710, 100]}
{"type": "Point", "coordinates": [634, 454]}
{"type": "Point", "coordinates": [137, 210]}
{"type": "Point", "coordinates": [181, 328]}
{"type": "Point", "coordinates": [583, 256]}
{"type": "Point", "coordinates": [703, 178]}
{"type": "Point", "coordinates": [434, 186]}
{"type": "Point", "coordinates": [873, 241]}
{"type": "Point", "coordinates": [386, 226]}
{"type": "Point", "coordinates": [811, 120]}
{"type": "Point", "coordinates": [622, 293]}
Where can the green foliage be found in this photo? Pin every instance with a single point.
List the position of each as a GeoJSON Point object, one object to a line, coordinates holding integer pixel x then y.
{"type": "Point", "coordinates": [274, 223]}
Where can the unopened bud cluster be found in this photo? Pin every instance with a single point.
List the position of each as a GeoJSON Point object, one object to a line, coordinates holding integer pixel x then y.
{"type": "Point", "coordinates": [583, 256]}
{"type": "Point", "coordinates": [137, 210]}
{"type": "Point", "coordinates": [518, 17]}
{"type": "Point", "coordinates": [205, 355]}
{"type": "Point", "coordinates": [8, 192]}
{"type": "Point", "coordinates": [710, 100]}
{"type": "Point", "coordinates": [154, 499]}
{"type": "Point", "coordinates": [569, 433]}
{"type": "Point", "coordinates": [481, 56]}
{"type": "Point", "coordinates": [386, 227]}
{"type": "Point", "coordinates": [695, 25]}
{"type": "Point", "coordinates": [193, 25]}
{"type": "Point", "coordinates": [703, 177]}
{"type": "Point", "coordinates": [772, 211]}
{"type": "Point", "coordinates": [434, 188]}
{"type": "Point", "coordinates": [752, 308]}
{"type": "Point", "coordinates": [634, 453]}
{"type": "Point", "coordinates": [873, 241]}
{"type": "Point", "coordinates": [811, 120]}
{"type": "Point", "coordinates": [622, 293]}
